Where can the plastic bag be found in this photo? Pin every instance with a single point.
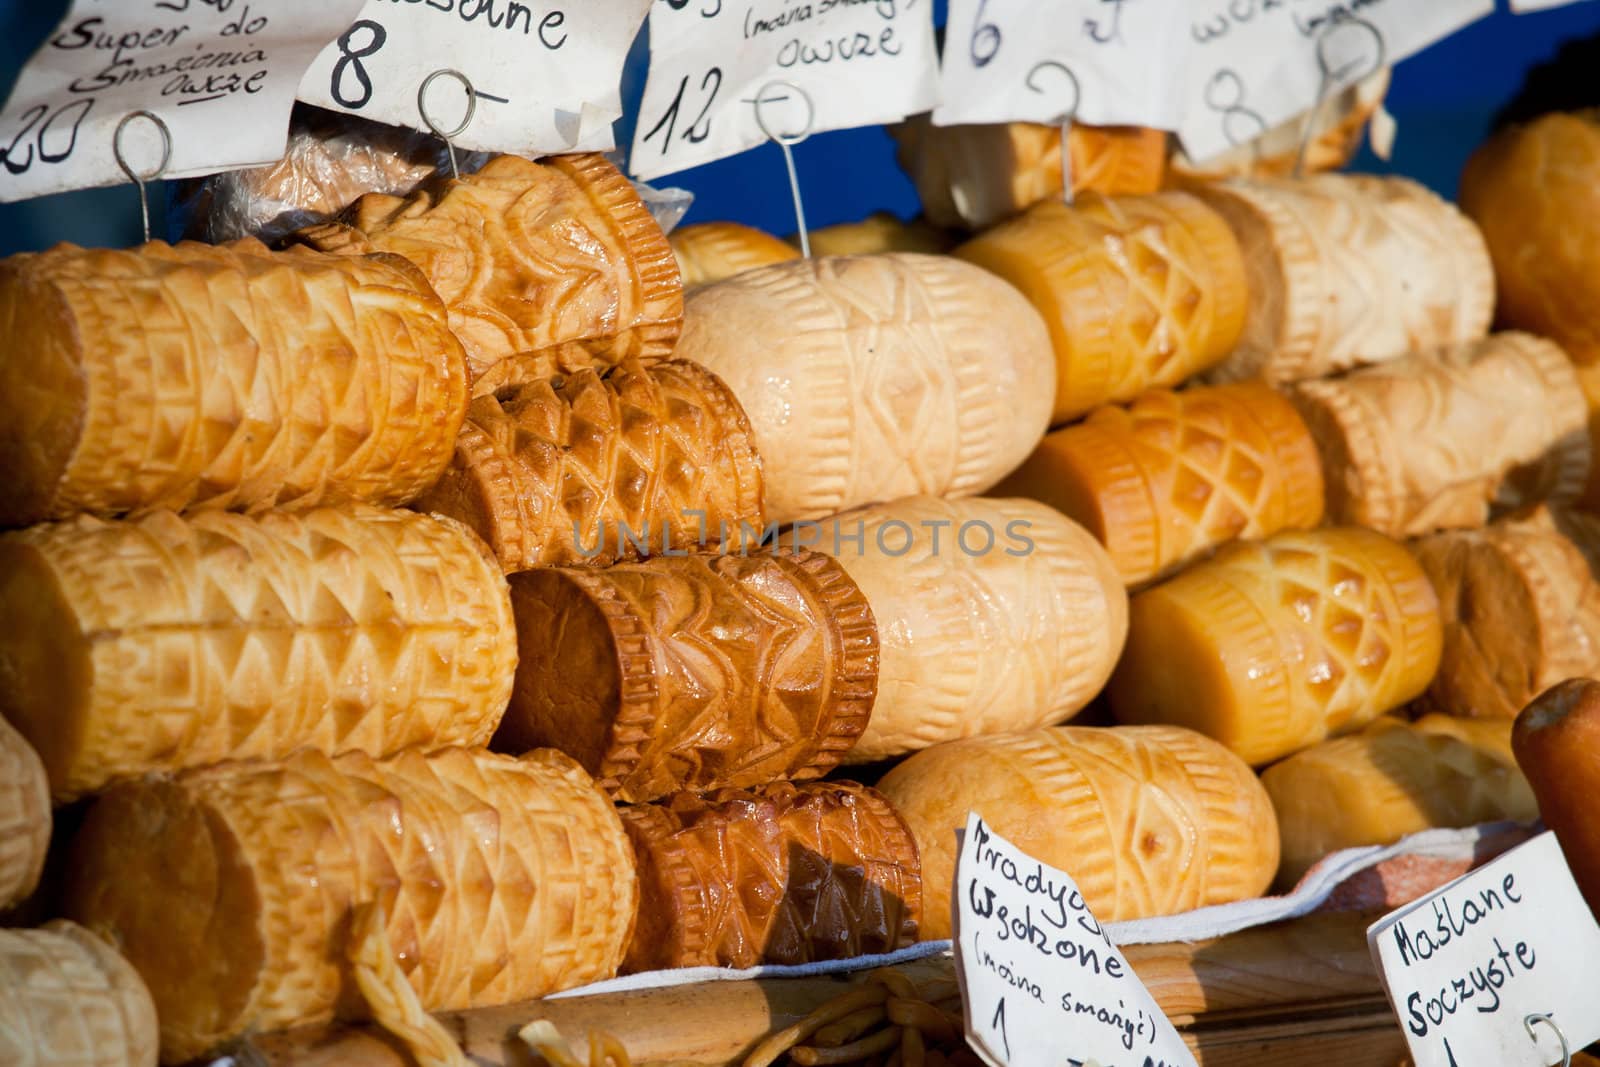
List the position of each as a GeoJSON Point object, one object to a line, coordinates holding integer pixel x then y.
{"type": "Point", "coordinates": [331, 161]}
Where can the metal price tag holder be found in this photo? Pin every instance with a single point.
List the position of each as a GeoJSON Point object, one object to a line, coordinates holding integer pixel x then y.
{"type": "Point", "coordinates": [1068, 116]}
{"type": "Point", "coordinates": [1328, 76]}
{"type": "Point", "coordinates": [1530, 1021]}
{"type": "Point", "coordinates": [466, 120]}
{"type": "Point", "coordinates": [786, 142]}
{"type": "Point", "coordinates": [127, 168]}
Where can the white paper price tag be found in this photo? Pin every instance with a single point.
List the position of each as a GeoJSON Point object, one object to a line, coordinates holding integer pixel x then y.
{"type": "Point", "coordinates": [547, 72]}
{"type": "Point", "coordinates": [220, 73]}
{"type": "Point", "coordinates": [1042, 984]}
{"type": "Point", "coordinates": [1465, 966]}
{"type": "Point", "coordinates": [1006, 61]}
{"type": "Point", "coordinates": [1522, 7]}
{"type": "Point", "coordinates": [861, 63]}
{"type": "Point", "coordinates": [1253, 63]}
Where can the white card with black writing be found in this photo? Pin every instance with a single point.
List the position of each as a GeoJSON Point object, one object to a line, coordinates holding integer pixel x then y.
{"type": "Point", "coordinates": [1042, 984]}
{"type": "Point", "coordinates": [854, 62]}
{"type": "Point", "coordinates": [1468, 964]}
{"type": "Point", "coordinates": [220, 74]}
{"type": "Point", "coordinates": [1253, 64]}
{"type": "Point", "coordinates": [1106, 62]}
{"type": "Point", "coordinates": [547, 73]}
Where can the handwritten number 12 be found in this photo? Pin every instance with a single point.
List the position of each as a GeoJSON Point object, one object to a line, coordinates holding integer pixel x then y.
{"type": "Point", "coordinates": [699, 129]}
{"type": "Point", "coordinates": [985, 42]}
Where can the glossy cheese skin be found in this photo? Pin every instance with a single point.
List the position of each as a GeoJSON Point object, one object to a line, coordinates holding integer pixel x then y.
{"type": "Point", "coordinates": [546, 266]}
{"type": "Point", "coordinates": [128, 647]}
{"type": "Point", "coordinates": [1392, 779]}
{"type": "Point", "coordinates": [67, 999]}
{"type": "Point", "coordinates": [1166, 479]}
{"type": "Point", "coordinates": [784, 875]}
{"type": "Point", "coordinates": [1521, 613]}
{"type": "Point", "coordinates": [1534, 191]}
{"type": "Point", "coordinates": [187, 376]}
{"type": "Point", "coordinates": [1430, 441]}
{"type": "Point", "coordinates": [1555, 739]}
{"type": "Point", "coordinates": [693, 673]}
{"type": "Point", "coordinates": [1139, 292]}
{"type": "Point", "coordinates": [1346, 269]}
{"type": "Point", "coordinates": [1148, 820]}
{"type": "Point", "coordinates": [25, 820]}
{"type": "Point", "coordinates": [1272, 646]}
{"type": "Point", "coordinates": [880, 232]}
{"type": "Point", "coordinates": [230, 889]}
{"type": "Point", "coordinates": [993, 616]}
{"type": "Point", "coordinates": [711, 251]}
{"type": "Point", "coordinates": [595, 468]}
{"type": "Point", "coordinates": [971, 177]}
{"type": "Point", "coordinates": [867, 378]}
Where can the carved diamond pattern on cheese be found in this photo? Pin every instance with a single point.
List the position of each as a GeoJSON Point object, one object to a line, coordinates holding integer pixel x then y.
{"type": "Point", "coordinates": [247, 638]}
{"type": "Point", "coordinates": [564, 464]}
{"type": "Point", "coordinates": [558, 257]}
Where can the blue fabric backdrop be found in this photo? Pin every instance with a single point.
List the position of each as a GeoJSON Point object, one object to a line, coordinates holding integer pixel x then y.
{"type": "Point", "coordinates": [1443, 98]}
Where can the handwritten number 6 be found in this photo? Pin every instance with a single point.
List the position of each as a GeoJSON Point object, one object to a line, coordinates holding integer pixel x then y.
{"type": "Point", "coordinates": [350, 60]}
{"type": "Point", "coordinates": [985, 42]}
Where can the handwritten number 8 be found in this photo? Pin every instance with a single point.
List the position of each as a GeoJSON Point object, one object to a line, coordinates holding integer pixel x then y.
{"type": "Point", "coordinates": [350, 60]}
{"type": "Point", "coordinates": [985, 42]}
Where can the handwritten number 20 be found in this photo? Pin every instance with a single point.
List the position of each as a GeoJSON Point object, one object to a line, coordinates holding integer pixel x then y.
{"type": "Point", "coordinates": [74, 112]}
{"type": "Point", "coordinates": [985, 42]}
{"type": "Point", "coordinates": [350, 62]}
{"type": "Point", "coordinates": [699, 129]}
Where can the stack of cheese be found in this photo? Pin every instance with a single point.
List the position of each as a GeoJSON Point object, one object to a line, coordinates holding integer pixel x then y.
{"type": "Point", "coordinates": [277, 686]}
{"type": "Point", "coordinates": [1362, 430]}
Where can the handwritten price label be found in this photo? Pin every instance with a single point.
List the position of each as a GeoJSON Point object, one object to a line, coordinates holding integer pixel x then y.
{"type": "Point", "coordinates": [1011, 62]}
{"type": "Point", "coordinates": [220, 73]}
{"type": "Point", "coordinates": [1466, 965]}
{"type": "Point", "coordinates": [861, 63]}
{"type": "Point", "coordinates": [1042, 984]}
{"type": "Point", "coordinates": [1253, 63]}
{"type": "Point", "coordinates": [547, 74]}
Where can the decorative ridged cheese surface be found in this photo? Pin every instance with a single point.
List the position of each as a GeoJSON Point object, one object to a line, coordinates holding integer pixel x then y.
{"type": "Point", "coordinates": [782, 875]}
{"type": "Point", "coordinates": [231, 888]}
{"type": "Point", "coordinates": [24, 817]}
{"type": "Point", "coordinates": [873, 377]}
{"type": "Point", "coordinates": [1392, 779]}
{"type": "Point", "coordinates": [1138, 291]}
{"type": "Point", "coordinates": [1148, 820]}
{"type": "Point", "coordinates": [1347, 269]}
{"type": "Point", "coordinates": [593, 468]}
{"type": "Point", "coordinates": [993, 616]}
{"type": "Point", "coordinates": [68, 1000]}
{"type": "Point", "coordinates": [693, 673]}
{"type": "Point", "coordinates": [224, 377]}
{"type": "Point", "coordinates": [971, 177]}
{"type": "Point", "coordinates": [1534, 191]}
{"type": "Point", "coordinates": [1429, 441]}
{"type": "Point", "coordinates": [1521, 613]}
{"type": "Point", "coordinates": [711, 251]}
{"type": "Point", "coordinates": [559, 258]}
{"type": "Point", "coordinates": [1272, 646]}
{"type": "Point", "coordinates": [1164, 480]}
{"type": "Point", "coordinates": [168, 642]}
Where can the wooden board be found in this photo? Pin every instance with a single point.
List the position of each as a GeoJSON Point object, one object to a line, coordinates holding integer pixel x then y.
{"type": "Point", "coordinates": [1267, 996]}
